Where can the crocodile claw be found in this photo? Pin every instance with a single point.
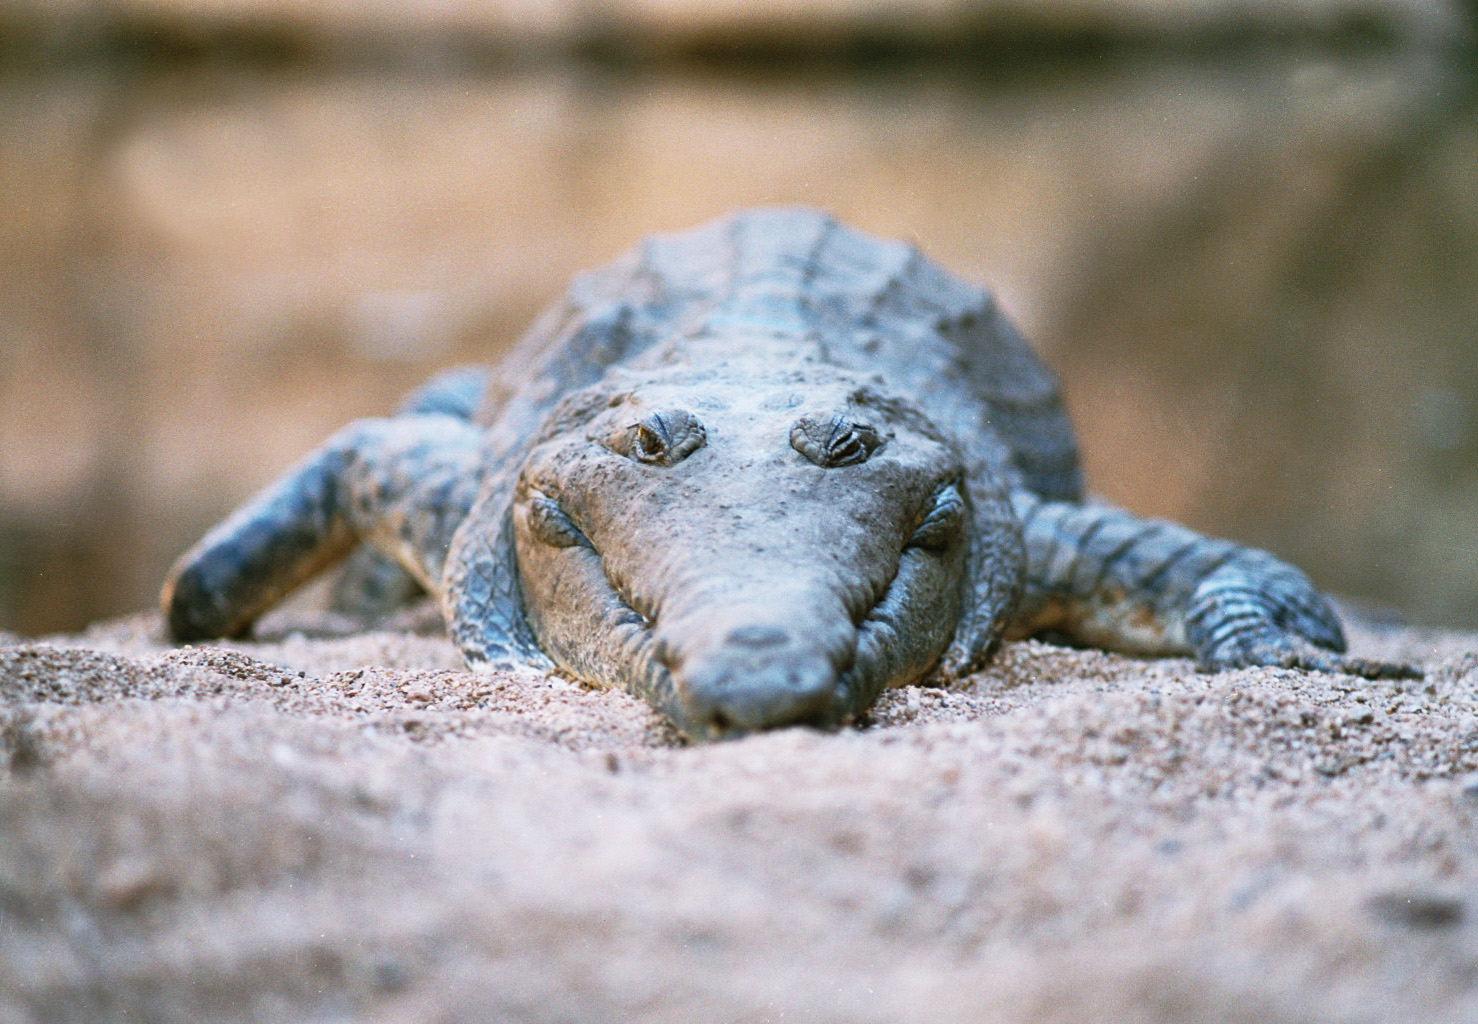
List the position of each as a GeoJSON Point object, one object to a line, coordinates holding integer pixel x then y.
{"type": "Point", "coordinates": [1242, 616]}
{"type": "Point", "coordinates": [1281, 649]}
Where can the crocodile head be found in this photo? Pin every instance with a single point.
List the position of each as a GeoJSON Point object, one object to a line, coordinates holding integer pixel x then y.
{"type": "Point", "coordinates": [744, 547]}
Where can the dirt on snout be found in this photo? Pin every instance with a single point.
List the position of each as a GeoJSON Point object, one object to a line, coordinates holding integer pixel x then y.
{"type": "Point", "coordinates": [315, 827]}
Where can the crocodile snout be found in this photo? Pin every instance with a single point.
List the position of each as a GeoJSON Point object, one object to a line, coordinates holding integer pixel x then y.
{"type": "Point", "coordinates": [760, 676]}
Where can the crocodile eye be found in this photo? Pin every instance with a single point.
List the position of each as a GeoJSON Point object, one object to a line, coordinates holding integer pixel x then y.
{"type": "Point", "coordinates": [835, 440]}
{"type": "Point", "coordinates": [661, 439]}
{"type": "Point", "coordinates": [943, 520]}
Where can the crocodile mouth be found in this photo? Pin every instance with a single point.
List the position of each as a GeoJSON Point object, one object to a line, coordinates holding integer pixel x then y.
{"type": "Point", "coordinates": [757, 675]}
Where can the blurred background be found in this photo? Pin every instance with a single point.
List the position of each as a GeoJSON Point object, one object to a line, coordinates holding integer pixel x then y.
{"type": "Point", "coordinates": [1244, 232]}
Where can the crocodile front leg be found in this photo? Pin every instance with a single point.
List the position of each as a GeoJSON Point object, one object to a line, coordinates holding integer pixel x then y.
{"type": "Point", "coordinates": [401, 486]}
{"type": "Point", "coordinates": [1099, 576]}
{"type": "Point", "coordinates": [368, 586]}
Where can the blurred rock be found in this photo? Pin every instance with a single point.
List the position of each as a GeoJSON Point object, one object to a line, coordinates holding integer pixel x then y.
{"type": "Point", "coordinates": [652, 27]}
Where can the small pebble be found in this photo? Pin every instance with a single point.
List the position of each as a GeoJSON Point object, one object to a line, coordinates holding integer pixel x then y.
{"type": "Point", "coordinates": [1417, 909]}
{"type": "Point", "coordinates": [391, 976]}
{"type": "Point", "coordinates": [127, 884]}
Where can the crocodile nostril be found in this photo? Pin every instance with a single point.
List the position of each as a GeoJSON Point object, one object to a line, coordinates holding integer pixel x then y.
{"type": "Point", "coordinates": [758, 636]}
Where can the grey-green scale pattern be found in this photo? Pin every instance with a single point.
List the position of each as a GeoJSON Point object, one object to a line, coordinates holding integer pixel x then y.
{"type": "Point", "coordinates": [755, 473]}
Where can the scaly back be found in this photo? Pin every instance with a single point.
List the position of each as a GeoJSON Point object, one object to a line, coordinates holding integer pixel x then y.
{"type": "Point", "coordinates": [867, 305]}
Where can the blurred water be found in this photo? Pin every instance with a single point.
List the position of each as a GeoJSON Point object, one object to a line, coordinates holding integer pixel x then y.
{"type": "Point", "coordinates": [1252, 268]}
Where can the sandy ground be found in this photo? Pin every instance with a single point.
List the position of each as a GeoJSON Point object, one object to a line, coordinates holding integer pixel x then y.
{"type": "Point", "coordinates": [314, 827]}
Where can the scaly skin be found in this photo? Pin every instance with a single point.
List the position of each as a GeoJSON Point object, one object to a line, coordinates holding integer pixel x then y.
{"type": "Point", "coordinates": [1102, 577]}
{"type": "Point", "coordinates": [754, 473]}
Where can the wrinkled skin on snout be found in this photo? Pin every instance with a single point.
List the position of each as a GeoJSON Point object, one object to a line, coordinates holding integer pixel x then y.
{"type": "Point", "coordinates": [743, 556]}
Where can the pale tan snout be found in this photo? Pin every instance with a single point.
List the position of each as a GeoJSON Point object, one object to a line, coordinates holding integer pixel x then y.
{"type": "Point", "coordinates": [751, 667]}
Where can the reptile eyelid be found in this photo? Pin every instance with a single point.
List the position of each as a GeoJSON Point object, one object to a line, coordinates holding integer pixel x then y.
{"type": "Point", "coordinates": [662, 438]}
{"type": "Point", "coordinates": [835, 440]}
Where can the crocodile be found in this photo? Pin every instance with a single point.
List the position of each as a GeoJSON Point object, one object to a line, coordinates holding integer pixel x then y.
{"type": "Point", "coordinates": [755, 473]}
